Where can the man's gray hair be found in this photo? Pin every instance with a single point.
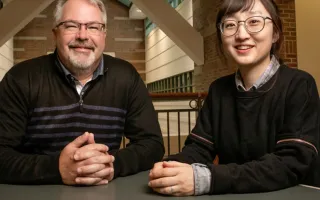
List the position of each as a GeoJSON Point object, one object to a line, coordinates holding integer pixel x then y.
{"type": "Point", "coordinates": [59, 7]}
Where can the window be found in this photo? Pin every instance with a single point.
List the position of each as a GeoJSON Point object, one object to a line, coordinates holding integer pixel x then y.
{"type": "Point", "coordinates": [178, 83]}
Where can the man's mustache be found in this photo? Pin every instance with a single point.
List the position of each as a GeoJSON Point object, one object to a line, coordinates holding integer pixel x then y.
{"type": "Point", "coordinates": [81, 45]}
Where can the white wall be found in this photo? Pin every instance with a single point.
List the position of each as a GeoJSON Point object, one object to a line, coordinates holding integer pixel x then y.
{"type": "Point", "coordinates": [308, 41]}
{"type": "Point", "coordinates": [6, 58]}
{"type": "Point", "coordinates": [163, 57]}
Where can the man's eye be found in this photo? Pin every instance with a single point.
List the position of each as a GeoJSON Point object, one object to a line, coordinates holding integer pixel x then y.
{"type": "Point", "coordinates": [70, 26]}
{"type": "Point", "coordinates": [93, 27]}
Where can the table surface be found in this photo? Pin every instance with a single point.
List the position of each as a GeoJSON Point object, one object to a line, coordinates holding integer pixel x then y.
{"type": "Point", "coordinates": [134, 187]}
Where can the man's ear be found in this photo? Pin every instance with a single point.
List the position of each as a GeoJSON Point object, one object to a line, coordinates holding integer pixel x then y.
{"type": "Point", "coordinates": [54, 32]}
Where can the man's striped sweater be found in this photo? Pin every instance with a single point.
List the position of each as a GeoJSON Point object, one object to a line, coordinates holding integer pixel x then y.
{"type": "Point", "coordinates": [41, 112]}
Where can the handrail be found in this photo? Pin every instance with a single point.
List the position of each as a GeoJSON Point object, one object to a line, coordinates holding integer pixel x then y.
{"type": "Point", "coordinates": [195, 99]}
{"type": "Point", "coordinates": [178, 96]}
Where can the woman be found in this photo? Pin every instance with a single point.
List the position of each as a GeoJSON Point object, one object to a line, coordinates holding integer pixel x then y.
{"type": "Point", "coordinates": [262, 122]}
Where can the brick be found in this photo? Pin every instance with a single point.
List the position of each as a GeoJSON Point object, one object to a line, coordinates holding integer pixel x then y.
{"type": "Point", "coordinates": [285, 15]}
{"type": "Point", "coordinates": [125, 33]}
{"type": "Point", "coordinates": [287, 34]}
{"type": "Point", "coordinates": [289, 11]}
{"type": "Point", "coordinates": [284, 24]}
{"type": "Point", "coordinates": [139, 66]}
{"type": "Point", "coordinates": [289, 20]}
{"type": "Point", "coordinates": [291, 56]}
{"type": "Point", "coordinates": [290, 38]}
{"type": "Point", "coordinates": [131, 55]}
{"type": "Point", "coordinates": [143, 76]}
{"type": "Point", "coordinates": [292, 24]}
{"type": "Point", "coordinates": [289, 29]}
{"type": "Point", "coordinates": [123, 46]}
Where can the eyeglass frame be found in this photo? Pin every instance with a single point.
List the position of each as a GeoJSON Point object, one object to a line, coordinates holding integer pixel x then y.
{"type": "Point", "coordinates": [244, 24]}
{"type": "Point", "coordinates": [79, 25]}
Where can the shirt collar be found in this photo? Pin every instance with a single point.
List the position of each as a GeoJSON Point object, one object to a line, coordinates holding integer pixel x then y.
{"type": "Point", "coordinates": [265, 76]}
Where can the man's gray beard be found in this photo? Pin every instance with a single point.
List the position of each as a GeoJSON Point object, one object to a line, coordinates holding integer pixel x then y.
{"type": "Point", "coordinates": [81, 65]}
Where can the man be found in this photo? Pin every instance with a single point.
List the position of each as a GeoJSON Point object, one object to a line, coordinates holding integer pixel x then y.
{"type": "Point", "coordinates": [63, 115]}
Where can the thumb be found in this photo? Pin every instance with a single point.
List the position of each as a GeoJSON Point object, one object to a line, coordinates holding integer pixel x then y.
{"type": "Point", "coordinates": [81, 140]}
{"type": "Point", "coordinates": [91, 139]}
{"type": "Point", "coordinates": [173, 164]}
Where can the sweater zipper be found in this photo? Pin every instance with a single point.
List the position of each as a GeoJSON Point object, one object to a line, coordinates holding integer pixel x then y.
{"type": "Point", "coordinates": [81, 101]}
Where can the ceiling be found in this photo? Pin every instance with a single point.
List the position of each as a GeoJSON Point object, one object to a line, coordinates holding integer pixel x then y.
{"type": "Point", "coordinates": [6, 1]}
{"type": "Point", "coordinates": [125, 2]}
{"type": "Point", "coordinates": [134, 11]}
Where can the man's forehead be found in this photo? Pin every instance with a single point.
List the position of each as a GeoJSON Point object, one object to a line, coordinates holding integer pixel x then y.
{"type": "Point", "coordinates": [81, 13]}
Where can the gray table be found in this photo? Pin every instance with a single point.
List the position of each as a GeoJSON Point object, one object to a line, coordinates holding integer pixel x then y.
{"type": "Point", "coordinates": [134, 188]}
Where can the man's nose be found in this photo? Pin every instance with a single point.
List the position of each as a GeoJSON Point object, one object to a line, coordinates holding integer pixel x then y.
{"type": "Point", "coordinates": [82, 33]}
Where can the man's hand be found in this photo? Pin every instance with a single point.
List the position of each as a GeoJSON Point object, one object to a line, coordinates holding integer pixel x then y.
{"type": "Point", "coordinates": [68, 165]}
{"type": "Point", "coordinates": [172, 178]}
{"type": "Point", "coordinates": [94, 164]}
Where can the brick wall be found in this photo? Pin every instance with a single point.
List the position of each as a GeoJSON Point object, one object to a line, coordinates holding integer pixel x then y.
{"type": "Point", "coordinates": [289, 48]}
{"type": "Point", "coordinates": [204, 13]}
{"type": "Point", "coordinates": [125, 37]}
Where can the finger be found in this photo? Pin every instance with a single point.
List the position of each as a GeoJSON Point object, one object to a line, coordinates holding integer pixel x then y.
{"type": "Point", "coordinates": [157, 166]}
{"type": "Point", "coordinates": [97, 147]}
{"type": "Point", "coordinates": [99, 159]}
{"type": "Point", "coordinates": [91, 139]}
{"type": "Point", "coordinates": [173, 164]}
{"type": "Point", "coordinates": [102, 173]}
{"type": "Point", "coordinates": [163, 182]}
{"type": "Point", "coordinates": [87, 180]}
{"type": "Point", "coordinates": [111, 175]}
{"type": "Point", "coordinates": [90, 169]}
{"type": "Point", "coordinates": [87, 155]}
{"type": "Point", "coordinates": [81, 140]}
{"type": "Point", "coordinates": [171, 190]}
{"type": "Point", "coordinates": [166, 172]}
{"type": "Point", "coordinates": [103, 182]}
{"type": "Point", "coordinates": [79, 154]}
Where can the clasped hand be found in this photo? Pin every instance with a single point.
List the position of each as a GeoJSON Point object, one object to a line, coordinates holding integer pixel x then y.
{"type": "Point", "coordinates": [172, 178]}
{"type": "Point", "coordinates": [83, 162]}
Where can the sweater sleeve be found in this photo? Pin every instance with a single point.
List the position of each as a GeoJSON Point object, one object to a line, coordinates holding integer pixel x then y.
{"type": "Point", "coordinates": [295, 153]}
{"type": "Point", "coordinates": [199, 145]}
{"type": "Point", "coordinates": [15, 166]}
{"type": "Point", "coordinates": [142, 129]}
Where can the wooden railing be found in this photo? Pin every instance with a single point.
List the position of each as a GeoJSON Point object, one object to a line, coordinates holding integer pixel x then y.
{"type": "Point", "coordinates": [196, 98]}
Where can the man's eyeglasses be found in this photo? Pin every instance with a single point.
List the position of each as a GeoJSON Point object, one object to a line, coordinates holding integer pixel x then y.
{"type": "Point", "coordinates": [72, 27]}
{"type": "Point", "coordinates": [252, 25]}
